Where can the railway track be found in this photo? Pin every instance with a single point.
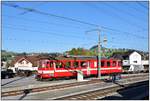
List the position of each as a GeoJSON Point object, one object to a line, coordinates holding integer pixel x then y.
{"type": "Point", "coordinates": [98, 94]}
{"type": "Point", "coordinates": [54, 87]}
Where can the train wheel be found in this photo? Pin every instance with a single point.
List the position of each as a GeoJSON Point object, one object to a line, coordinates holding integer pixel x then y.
{"type": "Point", "coordinates": [53, 79]}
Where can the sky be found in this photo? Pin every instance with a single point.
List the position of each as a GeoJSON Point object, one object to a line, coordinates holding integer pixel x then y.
{"type": "Point", "coordinates": [61, 26]}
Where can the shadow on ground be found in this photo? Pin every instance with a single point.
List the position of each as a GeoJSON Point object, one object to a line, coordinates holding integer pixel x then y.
{"type": "Point", "coordinates": [12, 81]}
{"type": "Point", "coordinates": [124, 94]}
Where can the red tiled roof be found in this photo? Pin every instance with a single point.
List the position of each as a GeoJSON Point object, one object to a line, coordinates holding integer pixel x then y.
{"type": "Point", "coordinates": [32, 59]}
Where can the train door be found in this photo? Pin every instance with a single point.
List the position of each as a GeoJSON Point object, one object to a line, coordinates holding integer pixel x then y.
{"type": "Point", "coordinates": [50, 68]}
{"type": "Point", "coordinates": [85, 67]}
{"type": "Point", "coordinates": [68, 64]}
{"type": "Point", "coordinates": [88, 68]}
{"type": "Point", "coordinates": [59, 69]}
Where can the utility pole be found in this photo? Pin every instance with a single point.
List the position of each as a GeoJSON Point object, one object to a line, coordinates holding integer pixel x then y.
{"type": "Point", "coordinates": [99, 55]}
{"type": "Point", "coordinates": [99, 51]}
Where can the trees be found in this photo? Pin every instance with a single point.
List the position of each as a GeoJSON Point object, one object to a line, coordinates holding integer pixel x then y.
{"type": "Point", "coordinates": [5, 56]}
{"type": "Point", "coordinates": [81, 51]}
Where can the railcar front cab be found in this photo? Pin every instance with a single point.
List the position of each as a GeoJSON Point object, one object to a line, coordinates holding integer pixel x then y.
{"type": "Point", "coordinates": [46, 69]}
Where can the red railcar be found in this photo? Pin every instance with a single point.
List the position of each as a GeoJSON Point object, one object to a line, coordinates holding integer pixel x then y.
{"type": "Point", "coordinates": [68, 67]}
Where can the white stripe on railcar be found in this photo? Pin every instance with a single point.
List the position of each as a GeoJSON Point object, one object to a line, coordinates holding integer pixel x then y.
{"type": "Point", "coordinates": [52, 71]}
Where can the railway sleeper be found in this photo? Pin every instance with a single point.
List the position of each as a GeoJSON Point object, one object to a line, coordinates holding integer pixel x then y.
{"type": "Point", "coordinates": [100, 93]}
{"type": "Point", "coordinates": [52, 87]}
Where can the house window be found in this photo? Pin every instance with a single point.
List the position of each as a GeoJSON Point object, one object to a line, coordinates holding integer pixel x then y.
{"type": "Point", "coordinates": [135, 61]}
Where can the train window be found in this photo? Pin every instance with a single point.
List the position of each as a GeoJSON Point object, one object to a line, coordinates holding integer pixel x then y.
{"type": "Point", "coordinates": [51, 64]}
{"type": "Point", "coordinates": [43, 65]}
{"type": "Point", "coordinates": [59, 65]}
{"type": "Point", "coordinates": [47, 64]}
{"type": "Point", "coordinates": [67, 64]}
{"type": "Point", "coordinates": [76, 64]}
{"type": "Point", "coordinates": [114, 63]}
{"type": "Point", "coordinates": [102, 63]}
{"type": "Point", "coordinates": [108, 63]}
{"type": "Point", "coordinates": [119, 63]}
{"type": "Point", "coordinates": [95, 64]}
{"type": "Point", "coordinates": [83, 64]}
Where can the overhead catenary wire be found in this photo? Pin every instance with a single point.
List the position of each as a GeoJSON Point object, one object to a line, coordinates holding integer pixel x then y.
{"type": "Point", "coordinates": [45, 41]}
{"type": "Point", "coordinates": [138, 10]}
{"type": "Point", "coordinates": [44, 22]}
{"type": "Point", "coordinates": [106, 28]}
{"type": "Point", "coordinates": [112, 29]}
{"type": "Point", "coordinates": [25, 12]}
{"type": "Point", "coordinates": [49, 14]}
{"type": "Point", "coordinates": [127, 33]}
{"type": "Point", "coordinates": [139, 2]}
{"type": "Point", "coordinates": [78, 35]}
{"type": "Point", "coordinates": [43, 32]}
{"type": "Point", "coordinates": [103, 27]}
{"type": "Point", "coordinates": [116, 14]}
{"type": "Point", "coordinates": [125, 12]}
{"type": "Point", "coordinates": [67, 18]}
{"type": "Point", "coordinates": [24, 28]}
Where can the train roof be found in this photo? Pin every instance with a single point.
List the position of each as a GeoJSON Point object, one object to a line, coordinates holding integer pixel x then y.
{"type": "Point", "coordinates": [79, 58]}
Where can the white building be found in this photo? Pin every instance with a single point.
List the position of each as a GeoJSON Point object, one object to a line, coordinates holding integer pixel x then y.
{"type": "Point", "coordinates": [24, 63]}
{"type": "Point", "coordinates": [132, 61]}
{"type": "Point", "coordinates": [135, 61]}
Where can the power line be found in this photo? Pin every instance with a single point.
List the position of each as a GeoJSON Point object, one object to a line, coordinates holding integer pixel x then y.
{"type": "Point", "coordinates": [43, 32]}
{"type": "Point", "coordinates": [141, 5]}
{"type": "Point", "coordinates": [130, 34]}
{"type": "Point", "coordinates": [49, 14]}
{"type": "Point", "coordinates": [48, 33]}
{"type": "Point", "coordinates": [138, 10]}
{"type": "Point", "coordinates": [43, 22]}
{"type": "Point", "coordinates": [42, 41]}
{"type": "Point", "coordinates": [33, 10]}
{"type": "Point", "coordinates": [108, 28]}
{"type": "Point", "coordinates": [28, 11]}
{"type": "Point", "coordinates": [24, 26]}
{"type": "Point", "coordinates": [130, 14]}
{"type": "Point", "coordinates": [120, 17]}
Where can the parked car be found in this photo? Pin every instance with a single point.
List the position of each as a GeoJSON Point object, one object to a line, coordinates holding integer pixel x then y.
{"type": "Point", "coordinates": [5, 74]}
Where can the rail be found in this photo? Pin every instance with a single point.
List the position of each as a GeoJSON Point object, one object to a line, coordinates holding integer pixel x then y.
{"type": "Point", "coordinates": [54, 87]}
{"type": "Point", "coordinates": [100, 93]}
